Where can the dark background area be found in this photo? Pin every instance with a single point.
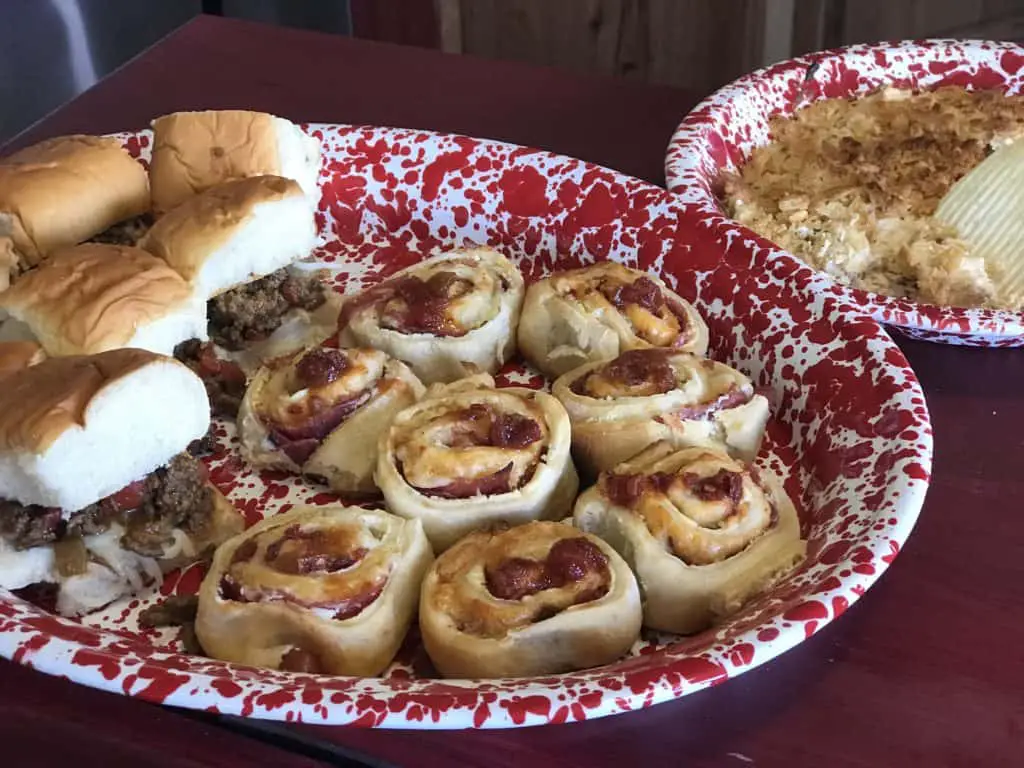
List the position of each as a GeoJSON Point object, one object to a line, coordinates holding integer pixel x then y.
{"type": "Point", "coordinates": [51, 50]}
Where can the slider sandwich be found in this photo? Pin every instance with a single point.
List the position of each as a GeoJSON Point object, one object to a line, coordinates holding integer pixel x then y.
{"type": "Point", "coordinates": [193, 151]}
{"type": "Point", "coordinates": [93, 297]}
{"type": "Point", "coordinates": [98, 493]}
{"type": "Point", "coordinates": [237, 246]}
{"type": "Point", "coordinates": [64, 191]}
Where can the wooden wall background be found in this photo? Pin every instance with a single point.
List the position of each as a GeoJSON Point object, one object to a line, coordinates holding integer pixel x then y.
{"type": "Point", "coordinates": [700, 44]}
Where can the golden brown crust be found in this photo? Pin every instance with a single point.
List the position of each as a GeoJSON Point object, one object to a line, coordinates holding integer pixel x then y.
{"type": "Point", "coordinates": [851, 186]}
{"type": "Point", "coordinates": [185, 160]}
{"type": "Point", "coordinates": [433, 465]}
{"type": "Point", "coordinates": [38, 404]}
{"type": "Point", "coordinates": [334, 586]}
{"type": "Point", "coordinates": [619, 408]}
{"type": "Point", "coordinates": [18, 355]}
{"type": "Point", "coordinates": [594, 313]}
{"type": "Point", "coordinates": [194, 230]}
{"type": "Point", "coordinates": [375, 388]}
{"type": "Point", "coordinates": [65, 190]}
{"type": "Point", "coordinates": [702, 532]}
{"type": "Point", "coordinates": [93, 297]}
{"type": "Point", "coordinates": [516, 602]}
{"type": "Point", "coordinates": [9, 264]}
{"type": "Point", "coordinates": [448, 317]}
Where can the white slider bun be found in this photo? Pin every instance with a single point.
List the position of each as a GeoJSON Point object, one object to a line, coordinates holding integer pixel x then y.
{"type": "Point", "coordinates": [74, 430]}
{"type": "Point", "coordinates": [193, 151]}
{"type": "Point", "coordinates": [94, 297]}
{"type": "Point", "coordinates": [234, 233]}
{"type": "Point", "coordinates": [65, 190]}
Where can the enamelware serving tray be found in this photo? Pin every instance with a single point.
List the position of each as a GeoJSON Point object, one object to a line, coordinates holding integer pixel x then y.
{"type": "Point", "coordinates": [720, 133]}
{"type": "Point", "coordinates": [850, 436]}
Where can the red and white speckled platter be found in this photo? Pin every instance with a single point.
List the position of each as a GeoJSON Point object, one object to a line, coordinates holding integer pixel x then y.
{"type": "Point", "coordinates": [850, 435]}
{"type": "Point", "coordinates": [721, 132]}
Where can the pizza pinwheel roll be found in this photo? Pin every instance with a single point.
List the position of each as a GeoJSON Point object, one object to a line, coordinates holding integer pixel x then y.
{"type": "Point", "coordinates": [448, 317]}
{"type": "Point", "coordinates": [702, 531]}
{"type": "Point", "coordinates": [468, 455]}
{"type": "Point", "coordinates": [315, 589]}
{"type": "Point", "coordinates": [537, 599]}
{"type": "Point", "coordinates": [321, 412]}
{"type": "Point", "coordinates": [620, 407]}
{"type": "Point", "coordinates": [592, 314]}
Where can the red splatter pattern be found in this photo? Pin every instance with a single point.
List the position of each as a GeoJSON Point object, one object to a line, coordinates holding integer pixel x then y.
{"type": "Point", "coordinates": [391, 197]}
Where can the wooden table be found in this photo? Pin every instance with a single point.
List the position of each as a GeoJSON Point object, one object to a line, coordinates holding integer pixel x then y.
{"type": "Point", "coordinates": [927, 670]}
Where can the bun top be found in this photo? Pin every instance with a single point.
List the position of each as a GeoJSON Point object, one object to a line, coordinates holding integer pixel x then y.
{"type": "Point", "coordinates": [65, 190]}
{"type": "Point", "coordinates": [74, 430]}
{"type": "Point", "coordinates": [193, 151]}
{"type": "Point", "coordinates": [39, 403]}
{"type": "Point", "coordinates": [17, 355]}
{"type": "Point", "coordinates": [191, 233]}
{"type": "Point", "coordinates": [94, 297]}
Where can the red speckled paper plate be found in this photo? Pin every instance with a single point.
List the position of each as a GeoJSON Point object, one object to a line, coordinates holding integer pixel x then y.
{"type": "Point", "coordinates": [850, 435]}
{"type": "Point", "coordinates": [721, 132]}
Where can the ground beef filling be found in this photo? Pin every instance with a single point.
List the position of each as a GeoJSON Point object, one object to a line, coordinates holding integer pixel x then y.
{"type": "Point", "coordinates": [128, 232]}
{"type": "Point", "coordinates": [253, 311]}
{"type": "Point", "coordinates": [174, 496]}
{"type": "Point", "coordinates": [224, 380]}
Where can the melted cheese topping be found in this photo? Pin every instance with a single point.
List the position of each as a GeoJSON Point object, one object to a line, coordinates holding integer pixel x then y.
{"type": "Point", "coordinates": [473, 298]}
{"type": "Point", "coordinates": [433, 451]}
{"type": "Point", "coordinates": [462, 592]}
{"type": "Point", "coordinates": [660, 330]}
{"type": "Point", "coordinates": [285, 401]}
{"type": "Point", "coordinates": [703, 531]}
{"type": "Point", "coordinates": [260, 579]}
{"type": "Point", "coordinates": [589, 287]}
{"type": "Point", "coordinates": [701, 381]}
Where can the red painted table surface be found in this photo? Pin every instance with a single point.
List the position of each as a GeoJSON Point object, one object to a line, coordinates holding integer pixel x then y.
{"type": "Point", "coordinates": [927, 670]}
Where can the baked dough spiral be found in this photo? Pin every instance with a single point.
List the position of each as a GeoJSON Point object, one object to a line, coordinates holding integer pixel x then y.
{"type": "Point", "coordinates": [537, 599]}
{"type": "Point", "coordinates": [321, 411]}
{"type": "Point", "coordinates": [448, 317]}
{"type": "Point", "coordinates": [620, 407]}
{"type": "Point", "coordinates": [592, 314]}
{"type": "Point", "coordinates": [702, 531]}
{"type": "Point", "coordinates": [469, 455]}
{"type": "Point", "coordinates": [315, 589]}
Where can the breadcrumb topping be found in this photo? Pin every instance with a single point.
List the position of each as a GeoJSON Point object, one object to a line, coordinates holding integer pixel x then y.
{"type": "Point", "coordinates": [851, 186]}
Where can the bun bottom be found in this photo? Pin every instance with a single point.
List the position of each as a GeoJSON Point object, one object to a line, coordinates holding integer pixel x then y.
{"type": "Point", "coordinates": [114, 572]}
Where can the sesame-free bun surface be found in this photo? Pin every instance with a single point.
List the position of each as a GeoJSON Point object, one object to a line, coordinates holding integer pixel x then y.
{"type": "Point", "coordinates": [193, 151]}
{"type": "Point", "coordinates": [74, 430]}
{"type": "Point", "coordinates": [91, 298]}
{"type": "Point", "coordinates": [65, 190]}
{"type": "Point", "coordinates": [235, 232]}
